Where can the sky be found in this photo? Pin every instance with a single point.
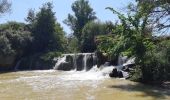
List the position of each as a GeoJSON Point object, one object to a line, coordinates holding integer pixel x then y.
{"type": "Point", "coordinates": [62, 8]}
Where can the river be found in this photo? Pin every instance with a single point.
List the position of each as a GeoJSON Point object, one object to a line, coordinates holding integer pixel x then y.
{"type": "Point", "coordinates": [74, 85]}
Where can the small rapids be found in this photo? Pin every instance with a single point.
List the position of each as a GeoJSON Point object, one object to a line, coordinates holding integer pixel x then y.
{"type": "Point", "coordinates": [94, 84]}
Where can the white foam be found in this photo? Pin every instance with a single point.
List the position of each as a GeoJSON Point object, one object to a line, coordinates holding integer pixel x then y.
{"type": "Point", "coordinates": [93, 74]}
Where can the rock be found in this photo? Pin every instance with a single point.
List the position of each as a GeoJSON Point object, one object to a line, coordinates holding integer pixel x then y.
{"type": "Point", "coordinates": [106, 64]}
{"type": "Point", "coordinates": [120, 74]}
{"type": "Point", "coordinates": [65, 66]}
{"type": "Point", "coordinates": [79, 62]}
{"type": "Point", "coordinates": [70, 60]}
{"type": "Point", "coordinates": [115, 73]}
{"type": "Point", "coordinates": [89, 62]}
{"type": "Point", "coordinates": [128, 67]}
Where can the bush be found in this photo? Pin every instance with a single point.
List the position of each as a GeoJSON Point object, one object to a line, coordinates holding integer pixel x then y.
{"type": "Point", "coordinates": [155, 67]}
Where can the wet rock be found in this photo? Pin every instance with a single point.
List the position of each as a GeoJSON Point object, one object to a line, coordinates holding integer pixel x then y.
{"type": "Point", "coordinates": [115, 73]}
{"type": "Point", "coordinates": [89, 62]}
{"type": "Point", "coordinates": [101, 58]}
{"type": "Point", "coordinates": [120, 74]}
{"type": "Point", "coordinates": [79, 62]}
{"type": "Point", "coordinates": [70, 60]}
{"type": "Point", "coordinates": [65, 66]}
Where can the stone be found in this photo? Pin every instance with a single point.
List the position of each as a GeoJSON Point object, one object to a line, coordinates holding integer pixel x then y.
{"type": "Point", "coordinates": [120, 74]}
{"type": "Point", "coordinates": [79, 62]}
{"type": "Point", "coordinates": [89, 62]}
{"type": "Point", "coordinates": [114, 73]}
{"type": "Point", "coordinates": [65, 66]}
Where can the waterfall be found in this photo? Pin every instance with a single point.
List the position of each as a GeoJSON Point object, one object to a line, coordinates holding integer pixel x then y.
{"type": "Point", "coordinates": [79, 61]}
{"type": "Point", "coordinates": [74, 61]}
{"type": "Point", "coordinates": [121, 61]}
{"type": "Point", "coordinates": [59, 61]}
{"type": "Point", "coordinates": [85, 62]}
{"type": "Point", "coordinates": [17, 65]}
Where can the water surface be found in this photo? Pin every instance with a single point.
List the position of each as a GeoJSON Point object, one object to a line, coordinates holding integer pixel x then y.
{"type": "Point", "coordinates": [72, 85]}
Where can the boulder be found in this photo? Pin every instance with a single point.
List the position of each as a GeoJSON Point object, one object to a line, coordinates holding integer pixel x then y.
{"type": "Point", "coordinates": [79, 62]}
{"type": "Point", "coordinates": [120, 74]}
{"type": "Point", "coordinates": [70, 60]}
{"type": "Point", "coordinates": [65, 66]}
{"type": "Point", "coordinates": [115, 73]}
{"type": "Point", "coordinates": [89, 62]}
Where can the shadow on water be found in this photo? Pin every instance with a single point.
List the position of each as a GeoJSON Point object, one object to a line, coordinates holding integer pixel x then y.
{"type": "Point", "coordinates": [146, 90]}
{"type": "Point", "coordinates": [4, 72]}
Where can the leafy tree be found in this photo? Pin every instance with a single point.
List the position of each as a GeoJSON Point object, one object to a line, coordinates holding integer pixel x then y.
{"type": "Point", "coordinates": [16, 37]}
{"type": "Point", "coordinates": [72, 44]}
{"type": "Point", "coordinates": [46, 31]}
{"type": "Point", "coordinates": [159, 14]}
{"type": "Point", "coordinates": [89, 33]}
{"type": "Point", "coordinates": [31, 16]}
{"type": "Point", "coordinates": [5, 46]}
{"type": "Point", "coordinates": [4, 6]}
{"type": "Point", "coordinates": [83, 14]}
{"type": "Point", "coordinates": [150, 60]}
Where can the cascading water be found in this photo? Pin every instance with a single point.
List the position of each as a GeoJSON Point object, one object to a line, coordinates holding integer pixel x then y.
{"type": "Point", "coordinates": [59, 61]}
{"type": "Point", "coordinates": [74, 61]}
{"type": "Point", "coordinates": [85, 62]}
{"type": "Point", "coordinates": [93, 84]}
{"type": "Point", "coordinates": [79, 62]}
{"type": "Point", "coordinates": [17, 65]}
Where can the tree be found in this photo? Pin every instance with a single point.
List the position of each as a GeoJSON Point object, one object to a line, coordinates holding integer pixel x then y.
{"type": "Point", "coordinates": [72, 44]}
{"type": "Point", "coordinates": [4, 6]}
{"type": "Point", "coordinates": [151, 60]}
{"type": "Point", "coordinates": [83, 14]}
{"type": "Point", "coordinates": [30, 17]}
{"type": "Point", "coordinates": [159, 14]}
{"type": "Point", "coordinates": [16, 37]}
{"type": "Point", "coordinates": [89, 33]}
{"type": "Point", "coordinates": [5, 46]}
{"type": "Point", "coordinates": [47, 32]}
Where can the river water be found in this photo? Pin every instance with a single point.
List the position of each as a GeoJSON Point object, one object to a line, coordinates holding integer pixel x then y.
{"type": "Point", "coordinates": [73, 85]}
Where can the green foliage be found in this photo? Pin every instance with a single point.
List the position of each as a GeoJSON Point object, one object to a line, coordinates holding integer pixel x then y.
{"type": "Point", "coordinates": [89, 33]}
{"type": "Point", "coordinates": [156, 65]}
{"type": "Point", "coordinates": [4, 6]}
{"type": "Point", "coordinates": [14, 38]}
{"type": "Point", "coordinates": [44, 27]}
{"type": "Point", "coordinates": [50, 56]}
{"type": "Point", "coordinates": [5, 46]}
{"type": "Point", "coordinates": [72, 46]}
{"type": "Point", "coordinates": [31, 16]}
{"type": "Point", "coordinates": [83, 14]}
{"type": "Point", "coordinates": [158, 14]}
{"type": "Point", "coordinates": [48, 34]}
{"type": "Point", "coordinates": [151, 60]}
{"type": "Point", "coordinates": [107, 44]}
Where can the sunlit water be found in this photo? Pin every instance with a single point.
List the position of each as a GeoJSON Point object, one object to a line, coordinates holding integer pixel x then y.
{"type": "Point", "coordinates": [72, 85]}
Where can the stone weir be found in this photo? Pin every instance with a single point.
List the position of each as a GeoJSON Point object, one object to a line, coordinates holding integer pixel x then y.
{"type": "Point", "coordinates": [78, 62]}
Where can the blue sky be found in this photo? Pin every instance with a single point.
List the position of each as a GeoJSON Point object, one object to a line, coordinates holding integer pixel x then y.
{"type": "Point", "coordinates": [62, 8]}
